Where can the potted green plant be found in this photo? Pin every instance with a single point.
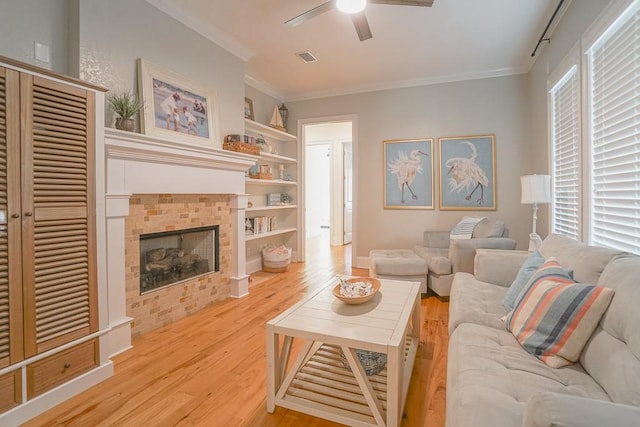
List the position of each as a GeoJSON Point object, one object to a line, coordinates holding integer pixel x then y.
{"type": "Point", "coordinates": [125, 105]}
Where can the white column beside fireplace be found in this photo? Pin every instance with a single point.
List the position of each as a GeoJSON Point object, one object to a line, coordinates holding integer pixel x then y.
{"type": "Point", "coordinates": [139, 164]}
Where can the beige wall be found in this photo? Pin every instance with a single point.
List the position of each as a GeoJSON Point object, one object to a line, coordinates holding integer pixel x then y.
{"type": "Point", "coordinates": [24, 22]}
{"type": "Point", "coordinates": [111, 36]}
{"type": "Point", "coordinates": [263, 106]}
{"type": "Point", "coordinates": [490, 106]}
{"type": "Point", "coordinates": [115, 33]}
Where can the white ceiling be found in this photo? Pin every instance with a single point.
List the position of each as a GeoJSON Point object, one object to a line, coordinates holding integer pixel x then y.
{"type": "Point", "coordinates": [453, 40]}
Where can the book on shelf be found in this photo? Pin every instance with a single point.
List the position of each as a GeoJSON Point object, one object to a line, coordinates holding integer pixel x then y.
{"type": "Point", "coordinates": [259, 225]}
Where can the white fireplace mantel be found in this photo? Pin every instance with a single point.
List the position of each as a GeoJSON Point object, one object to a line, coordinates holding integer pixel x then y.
{"type": "Point", "coordinates": [147, 165]}
{"type": "Point", "coordinates": [140, 164]}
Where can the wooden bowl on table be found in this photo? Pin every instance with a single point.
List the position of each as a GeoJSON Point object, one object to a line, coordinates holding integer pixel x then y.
{"type": "Point", "coordinates": [375, 284]}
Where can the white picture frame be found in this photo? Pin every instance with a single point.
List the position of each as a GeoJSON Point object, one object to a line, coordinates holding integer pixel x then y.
{"type": "Point", "coordinates": [177, 108]}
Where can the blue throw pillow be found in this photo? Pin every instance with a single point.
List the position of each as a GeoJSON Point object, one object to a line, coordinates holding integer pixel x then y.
{"type": "Point", "coordinates": [530, 265]}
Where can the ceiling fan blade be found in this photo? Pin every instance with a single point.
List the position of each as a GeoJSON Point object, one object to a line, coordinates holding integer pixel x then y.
{"type": "Point", "coordinates": [425, 3]}
{"type": "Point", "coordinates": [362, 26]}
{"type": "Point", "coordinates": [311, 13]}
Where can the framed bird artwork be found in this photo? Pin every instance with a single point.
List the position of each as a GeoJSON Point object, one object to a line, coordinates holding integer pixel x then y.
{"type": "Point", "coordinates": [468, 173]}
{"type": "Point", "coordinates": [408, 174]}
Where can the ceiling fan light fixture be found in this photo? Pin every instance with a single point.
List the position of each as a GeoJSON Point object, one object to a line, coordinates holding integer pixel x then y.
{"type": "Point", "coordinates": [351, 6]}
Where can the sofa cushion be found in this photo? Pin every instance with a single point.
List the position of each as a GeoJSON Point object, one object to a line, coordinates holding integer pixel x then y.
{"type": "Point", "coordinates": [586, 262]}
{"type": "Point", "coordinates": [612, 355]}
{"type": "Point", "coordinates": [555, 319]}
{"type": "Point", "coordinates": [488, 228]}
{"type": "Point", "coordinates": [546, 409]}
{"type": "Point", "coordinates": [490, 377]}
{"type": "Point", "coordinates": [473, 301]}
{"type": "Point", "coordinates": [527, 269]}
{"type": "Point", "coordinates": [498, 266]}
{"type": "Point", "coordinates": [437, 259]}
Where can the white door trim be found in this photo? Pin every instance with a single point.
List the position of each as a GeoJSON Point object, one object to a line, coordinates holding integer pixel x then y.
{"type": "Point", "coordinates": [302, 123]}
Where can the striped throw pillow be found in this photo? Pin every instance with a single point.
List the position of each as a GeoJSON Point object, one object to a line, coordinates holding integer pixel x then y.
{"type": "Point", "coordinates": [550, 269]}
{"type": "Point", "coordinates": [553, 319]}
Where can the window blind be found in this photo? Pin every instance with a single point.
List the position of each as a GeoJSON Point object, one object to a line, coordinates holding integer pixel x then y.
{"type": "Point", "coordinates": [614, 85]}
{"type": "Point", "coordinates": [565, 152]}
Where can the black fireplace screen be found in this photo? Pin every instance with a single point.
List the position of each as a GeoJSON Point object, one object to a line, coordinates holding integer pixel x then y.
{"type": "Point", "coordinates": [173, 256]}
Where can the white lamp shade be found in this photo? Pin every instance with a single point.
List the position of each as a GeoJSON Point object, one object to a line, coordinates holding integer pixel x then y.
{"type": "Point", "coordinates": [535, 189]}
{"type": "Point", "coordinates": [351, 6]}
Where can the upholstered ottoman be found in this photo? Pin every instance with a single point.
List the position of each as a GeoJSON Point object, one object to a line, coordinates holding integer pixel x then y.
{"type": "Point", "coordinates": [399, 264]}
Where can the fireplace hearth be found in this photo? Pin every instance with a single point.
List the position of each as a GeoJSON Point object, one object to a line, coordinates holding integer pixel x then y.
{"type": "Point", "coordinates": [170, 257]}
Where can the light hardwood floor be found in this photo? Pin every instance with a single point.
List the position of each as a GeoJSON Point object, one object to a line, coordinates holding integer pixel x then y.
{"type": "Point", "coordinates": [209, 369]}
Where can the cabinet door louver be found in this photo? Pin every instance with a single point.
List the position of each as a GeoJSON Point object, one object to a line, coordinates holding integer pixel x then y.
{"type": "Point", "coordinates": [59, 194]}
{"type": "Point", "coordinates": [10, 228]}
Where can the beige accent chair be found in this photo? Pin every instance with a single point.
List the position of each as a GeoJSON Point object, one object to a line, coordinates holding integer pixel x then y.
{"type": "Point", "coordinates": [445, 257]}
{"type": "Point", "coordinates": [436, 261]}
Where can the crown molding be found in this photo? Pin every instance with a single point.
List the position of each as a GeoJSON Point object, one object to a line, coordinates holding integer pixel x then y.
{"type": "Point", "coordinates": [206, 30]}
{"type": "Point", "coordinates": [402, 84]}
{"type": "Point", "coordinates": [263, 87]}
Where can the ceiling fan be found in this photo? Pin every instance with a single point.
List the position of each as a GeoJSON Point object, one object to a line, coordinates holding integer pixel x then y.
{"type": "Point", "coordinates": [356, 9]}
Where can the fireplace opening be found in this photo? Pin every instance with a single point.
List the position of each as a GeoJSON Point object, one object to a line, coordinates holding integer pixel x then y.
{"type": "Point", "coordinates": [170, 257]}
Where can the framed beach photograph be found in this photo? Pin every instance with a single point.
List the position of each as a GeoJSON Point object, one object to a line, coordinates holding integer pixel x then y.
{"type": "Point", "coordinates": [248, 109]}
{"type": "Point", "coordinates": [408, 174]}
{"type": "Point", "coordinates": [468, 173]}
{"type": "Point", "coordinates": [176, 108]}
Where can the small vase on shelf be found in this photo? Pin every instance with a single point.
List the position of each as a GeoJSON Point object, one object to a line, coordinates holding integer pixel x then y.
{"type": "Point", "coordinates": [125, 124]}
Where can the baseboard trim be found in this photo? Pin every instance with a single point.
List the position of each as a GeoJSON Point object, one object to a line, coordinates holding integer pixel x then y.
{"type": "Point", "coordinates": [48, 400]}
{"type": "Point", "coordinates": [362, 262]}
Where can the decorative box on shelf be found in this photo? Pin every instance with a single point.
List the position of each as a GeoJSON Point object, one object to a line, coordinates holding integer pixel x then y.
{"type": "Point", "coordinates": [260, 175]}
{"type": "Point", "coordinates": [274, 199]}
{"type": "Point", "coordinates": [261, 172]}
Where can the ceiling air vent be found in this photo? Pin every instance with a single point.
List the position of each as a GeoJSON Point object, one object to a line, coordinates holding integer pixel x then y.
{"type": "Point", "coordinates": [307, 56]}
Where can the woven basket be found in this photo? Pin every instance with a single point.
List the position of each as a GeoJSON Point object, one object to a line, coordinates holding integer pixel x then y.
{"type": "Point", "coordinates": [372, 362]}
{"type": "Point", "coordinates": [241, 147]}
{"type": "Point", "coordinates": [276, 267]}
{"type": "Point", "coordinates": [276, 262]}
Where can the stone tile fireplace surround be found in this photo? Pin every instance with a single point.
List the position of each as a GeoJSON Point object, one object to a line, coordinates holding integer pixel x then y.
{"type": "Point", "coordinates": [151, 213]}
{"type": "Point", "coordinates": [154, 185]}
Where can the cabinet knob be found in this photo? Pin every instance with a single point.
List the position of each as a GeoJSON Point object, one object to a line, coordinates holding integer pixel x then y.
{"type": "Point", "coordinates": [28, 214]}
{"type": "Point", "coordinates": [67, 365]}
{"type": "Point", "coordinates": [15, 216]}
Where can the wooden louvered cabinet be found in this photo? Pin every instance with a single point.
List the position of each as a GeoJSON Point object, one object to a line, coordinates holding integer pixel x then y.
{"type": "Point", "coordinates": [58, 208]}
{"type": "Point", "coordinates": [48, 293]}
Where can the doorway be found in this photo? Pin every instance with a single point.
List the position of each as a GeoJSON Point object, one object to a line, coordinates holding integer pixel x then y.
{"type": "Point", "coordinates": [328, 181]}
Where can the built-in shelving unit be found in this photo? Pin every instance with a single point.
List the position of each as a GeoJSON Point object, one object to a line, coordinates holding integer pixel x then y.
{"type": "Point", "coordinates": [283, 217]}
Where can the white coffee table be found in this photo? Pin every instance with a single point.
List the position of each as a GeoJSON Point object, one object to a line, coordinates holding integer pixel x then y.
{"type": "Point", "coordinates": [317, 383]}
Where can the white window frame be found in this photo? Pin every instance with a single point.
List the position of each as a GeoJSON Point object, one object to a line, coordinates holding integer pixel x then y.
{"type": "Point", "coordinates": [570, 64]}
{"type": "Point", "coordinates": [609, 22]}
{"type": "Point", "coordinates": [579, 57]}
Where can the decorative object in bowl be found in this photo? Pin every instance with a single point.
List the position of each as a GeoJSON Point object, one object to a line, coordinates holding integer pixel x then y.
{"type": "Point", "coordinates": [368, 285]}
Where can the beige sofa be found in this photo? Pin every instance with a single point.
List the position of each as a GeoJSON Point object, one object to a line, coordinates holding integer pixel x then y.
{"type": "Point", "coordinates": [493, 381]}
